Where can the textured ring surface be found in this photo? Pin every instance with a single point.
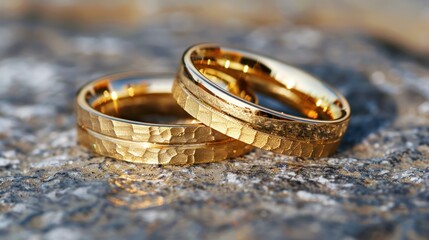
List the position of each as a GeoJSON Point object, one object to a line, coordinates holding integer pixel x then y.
{"type": "Point", "coordinates": [112, 112]}
{"type": "Point", "coordinates": [155, 153]}
{"type": "Point", "coordinates": [325, 111]}
{"type": "Point", "coordinates": [118, 86]}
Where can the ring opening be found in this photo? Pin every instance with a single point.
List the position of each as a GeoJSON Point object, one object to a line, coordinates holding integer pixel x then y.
{"type": "Point", "coordinates": [137, 99]}
{"type": "Point", "coordinates": [297, 91]}
{"type": "Point", "coordinates": [160, 108]}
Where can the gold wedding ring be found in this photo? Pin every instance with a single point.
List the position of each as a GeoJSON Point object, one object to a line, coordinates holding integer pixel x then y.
{"type": "Point", "coordinates": [118, 116]}
{"type": "Point", "coordinates": [199, 90]}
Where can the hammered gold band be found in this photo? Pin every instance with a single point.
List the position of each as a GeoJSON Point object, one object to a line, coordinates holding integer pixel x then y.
{"type": "Point", "coordinates": [316, 134]}
{"type": "Point", "coordinates": [114, 116]}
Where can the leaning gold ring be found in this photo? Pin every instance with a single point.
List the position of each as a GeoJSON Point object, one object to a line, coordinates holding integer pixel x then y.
{"type": "Point", "coordinates": [317, 133]}
{"type": "Point", "coordinates": [119, 116]}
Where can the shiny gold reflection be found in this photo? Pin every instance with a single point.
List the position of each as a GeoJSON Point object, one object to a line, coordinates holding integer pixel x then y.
{"type": "Point", "coordinates": [137, 204]}
{"type": "Point", "coordinates": [133, 194]}
{"type": "Point", "coordinates": [234, 85]}
{"type": "Point", "coordinates": [135, 186]}
{"type": "Point", "coordinates": [261, 79]}
{"type": "Point", "coordinates": [158, 108]}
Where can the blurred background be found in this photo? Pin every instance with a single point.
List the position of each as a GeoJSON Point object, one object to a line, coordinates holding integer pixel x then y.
{"type": "Point", "coordinates": [400, 22]}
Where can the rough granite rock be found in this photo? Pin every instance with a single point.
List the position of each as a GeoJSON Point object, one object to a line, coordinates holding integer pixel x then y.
{"type": "Point", "coordinates": [375, 187]}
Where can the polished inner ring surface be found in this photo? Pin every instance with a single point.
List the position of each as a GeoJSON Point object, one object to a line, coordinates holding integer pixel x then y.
{"type": "Point", "coordinates": [290, 85]}
{"type": "Point", "coordinates": [122, 106]}
{"type": "Point", "coordinates": [155, 108]}
{"type": "Point", "coordinates": [317, 134]}
{"type": "Point", "coordinates": [133, 117]}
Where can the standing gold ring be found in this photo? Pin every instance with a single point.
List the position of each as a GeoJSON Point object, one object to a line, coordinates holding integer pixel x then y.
{"type": "Point", "coordinates": [116, 117]}
{"type": "Point", "coordinates": [325, 111]}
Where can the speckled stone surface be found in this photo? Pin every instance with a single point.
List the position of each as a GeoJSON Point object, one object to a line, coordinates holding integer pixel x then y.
{"type": "Point", "coordinates": [375, 187]}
